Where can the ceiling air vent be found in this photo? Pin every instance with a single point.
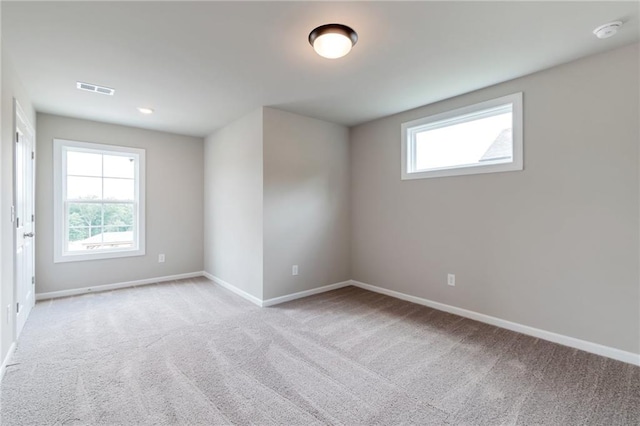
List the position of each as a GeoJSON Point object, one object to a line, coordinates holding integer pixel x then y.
{"type": "Point", "coordinates": [94, 88]}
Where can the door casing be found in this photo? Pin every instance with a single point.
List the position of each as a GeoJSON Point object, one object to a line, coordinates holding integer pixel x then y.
{"type": "Point", "coordinates": [24, 229]}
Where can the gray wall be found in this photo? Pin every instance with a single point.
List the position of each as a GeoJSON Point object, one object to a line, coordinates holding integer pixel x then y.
{"type": "Point", "coordinates": [233, 204]}
{"type": "Point", "coordinates": [174, 205]}
{"type": "Point", "coordinates": [554, 246]}
{"type": "Point", "coordinates": [11, 88]}
{"type": "Point", "coordinates": [306, 203]}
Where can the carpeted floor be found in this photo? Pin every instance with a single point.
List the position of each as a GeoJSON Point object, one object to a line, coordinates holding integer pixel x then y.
{"type": "Point", "coordinates": [193, 353]}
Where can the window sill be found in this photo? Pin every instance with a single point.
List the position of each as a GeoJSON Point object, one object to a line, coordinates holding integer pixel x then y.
{"type": "Point", "coordinates": [464, 171]}
{"type": "Point", "coordinates": [63, 258]}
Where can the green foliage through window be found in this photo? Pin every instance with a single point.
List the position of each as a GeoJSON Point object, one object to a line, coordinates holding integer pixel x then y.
{"type": "Point", "coordinates": [89, 219]}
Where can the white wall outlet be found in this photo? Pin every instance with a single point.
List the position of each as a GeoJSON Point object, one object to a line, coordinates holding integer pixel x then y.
{"type": "Point", "coordinates": [161, 258]}
{"type": "Point", "coordinates": [294, 270]}
{"type": "Point", "coordinates": [451, 280]}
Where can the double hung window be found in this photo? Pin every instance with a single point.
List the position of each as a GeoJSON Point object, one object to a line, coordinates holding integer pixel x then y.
{"type": "Point", "coordinates": [98, 201]}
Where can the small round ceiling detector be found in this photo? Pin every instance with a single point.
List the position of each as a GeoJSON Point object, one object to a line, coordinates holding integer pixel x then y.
{"type": "Point", "coordinates": [607, 30]}
{"type": "Point", "coordinates": [333, 40]}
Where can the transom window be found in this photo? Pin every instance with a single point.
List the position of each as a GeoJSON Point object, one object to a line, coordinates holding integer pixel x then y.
{"type": "Point", "coordinates": [480, 138]}
{"type": "Point", "coordinates": [99, 201]}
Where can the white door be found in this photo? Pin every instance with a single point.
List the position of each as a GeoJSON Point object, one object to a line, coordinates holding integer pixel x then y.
{"type": "Point", "coordinates": [25, 217]}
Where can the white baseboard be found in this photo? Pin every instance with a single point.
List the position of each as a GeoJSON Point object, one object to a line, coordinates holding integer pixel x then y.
{"type": "Point", "coordinates": [275, 300]}
{"type": "Point", "coordinates": [7, 359]}
{"type": "Point", "coordinates": [306, 293]}
{"type": "Point", "coordinates": [251, 298]}
{"type": "Point", "coordinates": [106, 287]}
{"type": "Point", "coordinates": [595, 348]}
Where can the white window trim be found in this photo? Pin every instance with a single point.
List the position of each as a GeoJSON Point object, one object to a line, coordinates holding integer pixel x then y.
{"type": "Point", "coordinates": [59, 194]}
{"type": "Point", "coordinates": [410, 128]}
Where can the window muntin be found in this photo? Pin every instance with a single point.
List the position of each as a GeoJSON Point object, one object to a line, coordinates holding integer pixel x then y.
{"type": "Point", "coordinates": [99, 197]}
{"type": "Point", "coordinates": [481, 138]}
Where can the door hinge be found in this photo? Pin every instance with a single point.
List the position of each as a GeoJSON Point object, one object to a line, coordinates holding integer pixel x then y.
{"type": "Point", "coordinates": [33, 218]}
{"type": "Point", "coordinates": [18, 307]}
{"type": "Point", "coordinates": [33, 155]}
{"type": "Point", "coordinates": [33, 280]}
{"type": "Point", "coordinates": [17, 137]}
{"type": "Point", "coordinates": [17, 222]}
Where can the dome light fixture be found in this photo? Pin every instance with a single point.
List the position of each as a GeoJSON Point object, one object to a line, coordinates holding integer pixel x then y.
{"type": "Point", "coordinates": [333, 40]}
{"type": "Point", "coordinates": [145, 110]}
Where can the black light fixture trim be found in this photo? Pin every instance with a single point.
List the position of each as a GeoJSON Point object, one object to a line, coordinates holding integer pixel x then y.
{"type": "Point", "coordinates": [334, 29]}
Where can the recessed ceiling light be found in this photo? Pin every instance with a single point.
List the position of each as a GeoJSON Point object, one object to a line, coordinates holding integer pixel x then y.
{"type": "Point", "coordinates": [95, 88]}
{"type": "Point", "coordinates": [145, 110]}
{"type": "Point", "coordinates": [607, 30]}
{"type": "Point", "coordinates": [333, 40]}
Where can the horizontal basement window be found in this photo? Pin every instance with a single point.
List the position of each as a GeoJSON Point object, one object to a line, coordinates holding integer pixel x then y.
{"type": "Point", "coordinates": [480, 138]}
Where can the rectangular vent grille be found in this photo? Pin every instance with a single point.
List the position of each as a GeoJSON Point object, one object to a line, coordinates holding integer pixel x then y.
{"type": "Point", "coordinates": [95, 88]}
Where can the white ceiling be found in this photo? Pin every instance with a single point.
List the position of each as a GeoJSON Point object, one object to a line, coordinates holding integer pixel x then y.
{"type": "Point", "coordinates": [202, 64]}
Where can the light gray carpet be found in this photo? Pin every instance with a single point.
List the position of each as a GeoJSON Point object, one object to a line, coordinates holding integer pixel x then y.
{"type": "Point", "coordinates": [192, 353]}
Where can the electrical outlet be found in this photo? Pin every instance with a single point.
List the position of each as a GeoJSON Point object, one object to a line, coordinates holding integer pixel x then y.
{"type": "Point", "coordinates": [161, 258]}
{"type": "Point", "coordinates": [294, 270]}
{"type": "Point", "coordinates": [451, 280]}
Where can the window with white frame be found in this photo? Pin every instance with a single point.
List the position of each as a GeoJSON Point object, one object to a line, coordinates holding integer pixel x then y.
{"type": "Point", "coordinates": [481, 138]}
{"type": "Point", "coordinates": [98, 201]}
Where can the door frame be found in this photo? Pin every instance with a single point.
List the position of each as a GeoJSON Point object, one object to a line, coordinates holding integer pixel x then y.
{"type": "Point", "coordinates": [18, 113]}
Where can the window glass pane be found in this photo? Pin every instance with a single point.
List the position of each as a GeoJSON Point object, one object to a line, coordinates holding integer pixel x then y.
{"type": "Point", "coordinates": [483, 140]}
{"type": "Point", "coordinates": [84, 214]}
{"type": "Point", "coordinates": [84, 164]}
{"type": "Point", "coordinates": [76, 238]}
{"type": "Point", "coordinates": [77, 234]}
{"type": "Point", "coordinates": [84, 188]}
{"type": "Point", "coordinates": [101, 239]}
{"type": "Point", "coordinates": [84, 224]}
{"type": "Point", "coordinates": [119, 166]}
{"type": "Point", "coordinates": [93, 236]}
{"type": "Point", "coordinates": [118, 229]}
{"type": "Point", "coordinates": [84, 239]}
{"type": "Point", "coordinates": [118, 236]}
{"type": "Point", "coordinates": [118, 214]}
{"type": "Point", "coordinates": [118, 189]}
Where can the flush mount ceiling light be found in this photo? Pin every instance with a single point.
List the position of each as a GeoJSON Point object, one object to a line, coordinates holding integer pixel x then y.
{"type": "Point", "coordinates": [607, 30]}
{"type": "Point", "coordinates": [145, 110]}
{"type": "Point", "coordinates": [333, 40]}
